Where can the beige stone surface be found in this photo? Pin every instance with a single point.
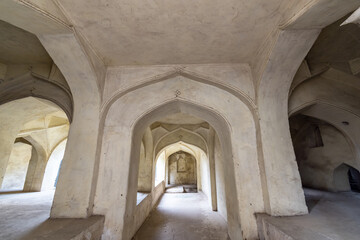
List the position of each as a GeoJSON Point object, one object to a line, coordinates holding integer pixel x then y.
{"type": "Point", "coordinates": [139, 81]}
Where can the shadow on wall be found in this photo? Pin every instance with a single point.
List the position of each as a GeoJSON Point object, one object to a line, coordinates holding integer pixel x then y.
{"type": "Point", "coordinates": [324, 155]}
{"type": "Point", "coordinates": [346, 178]}
{"type": "Point", "coordinates": [16, 169]}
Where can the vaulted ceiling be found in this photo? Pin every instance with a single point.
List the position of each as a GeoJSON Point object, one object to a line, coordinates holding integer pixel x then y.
{"type": "Point", "coordinates": [131, 32]}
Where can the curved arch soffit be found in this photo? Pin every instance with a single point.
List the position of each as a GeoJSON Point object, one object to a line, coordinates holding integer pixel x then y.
{"type": "Point", "coordinates": [57, 144]}
{"type": "Point", "coordinates": [177, 132]}
{"type": "Point", "coordinates": [344, 164]}
{"type": "Point", "coordinates": [31, 86]}
{"type": "Point", "coordinates": [180, 146]}
{"type": "Point", "coordinates": [336, 107]}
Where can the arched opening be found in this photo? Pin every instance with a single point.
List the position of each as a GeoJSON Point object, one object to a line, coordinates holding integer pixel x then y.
{"type": "Point", "coordinates": [320, 148]}
{"type": "Point", "coordinates": [37, 126]}
{"type": "Point", "coordinates": [354, 179]}
{"type": "Point", "coordinates": [181, 168]}
{"type": "Point", "coordinates": [148, 114]}
{"type": "Point", "coordinates": [346, 178]}
{"type": "Point", "coordinates": [17, 166]}
{"type": "Point", "coordinates": [52, 170]}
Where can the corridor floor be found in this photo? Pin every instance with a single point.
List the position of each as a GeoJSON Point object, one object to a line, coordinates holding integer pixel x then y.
{"type": "Point", "coordinates": [183, 216]}
{"type": "Point", "coordinates": [25, 216]}
{"type": "Point", "coordinates": [333, 216]}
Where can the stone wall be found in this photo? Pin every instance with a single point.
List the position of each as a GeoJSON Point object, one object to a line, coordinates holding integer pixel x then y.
{"type": "Point", "coordinates": [182, 168]}
{"type": "Point", "coordinates": [17, 167]}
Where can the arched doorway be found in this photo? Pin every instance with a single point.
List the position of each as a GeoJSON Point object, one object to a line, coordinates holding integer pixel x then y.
{"type": "Point", "coordinates": [149, 109]}
{"type": "Point", "coordinates": [346, 178]}
{"type": "Point", "coordinates": [53, 167]}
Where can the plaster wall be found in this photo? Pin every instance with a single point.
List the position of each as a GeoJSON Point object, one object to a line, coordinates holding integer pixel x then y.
{"type": "Point", "coordinates": [146, 162]}
{"type": "Point", "coordinates": [53, 167]}
{"type": "Point", "coordinates": [317, 165]}
{"type": "Point", "coordinates": [220, 179]}
{"type": "Point", "coordinates": [17, 167]}
{"type": "Point", "coordinates": [334, 98]}
{"type": "Point", "coordinates": [234, 76]}
{"type": "Point", "coordinates": [182, 169]}
{"type": "Point", "coordinates": [142, 166]}
{"type": "Point", "coordinates": [144, 208]}
{"type": "Point", "coordinates": [70, 55]}
{"type": "Point", "coordinates": [160, 169]}
{"type": "Point", "coordinates": [205, 176]}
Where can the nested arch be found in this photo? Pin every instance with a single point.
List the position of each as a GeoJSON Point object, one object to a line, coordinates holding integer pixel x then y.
{"type": "Point", "coordinates": [184, 135]}
{"type": "Point", "coordinates": [235, 128]}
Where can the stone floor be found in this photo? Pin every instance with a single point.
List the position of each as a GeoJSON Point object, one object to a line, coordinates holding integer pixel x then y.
{"type": "Point", "coordinates": [183, 216]}
{"type": "Point", "coordinates": [181, 188]}
{"type": "Point", "coordinates": [333, 216]}
{"type": "Point", "coordinates": [26, 216]}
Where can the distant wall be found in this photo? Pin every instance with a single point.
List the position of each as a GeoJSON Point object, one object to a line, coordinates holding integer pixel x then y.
{"type": "Point", "coordinates": [17, 167]}
{"type": "Point", "coordinates": [317, 164]}
{"type": "Point", "coordinates": [182, 168]}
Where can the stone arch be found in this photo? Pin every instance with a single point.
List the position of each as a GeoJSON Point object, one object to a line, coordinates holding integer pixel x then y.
{"type": "Point", "coordinates": [182, 146]}
{"type": "Point", "coordinates": [340, 177]}
{"type": "Point", "coordinates": [51, 162]}
{"type": "Point", "coordinates": [184, 135]}
{"type": "Point", "coordinates": [236, 131]}
{"type": "Point", "coordinates": [245, 98]}
{"type": "Point", "coordinates": [36, 168]}
{"type": "Point", "coordinates": [31, 86]}
{"type": "Point", "coordinates": [334, 114]}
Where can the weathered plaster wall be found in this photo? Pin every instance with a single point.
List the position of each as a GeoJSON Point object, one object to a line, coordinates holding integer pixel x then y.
{"type": "Point", "coordinates": [317, 164]}
{"type": "Point", "coordinates": [160, 169]}
{"type": "Point", "coordinates": [144, 208]}
{"type": "Point", "coordinates": [146, 162]}
{"type": "Point", "coordinates": [182, 168]}
{"type": "Point", "coordinates": [205, 175]}
{"type": "Point", "coordinates": [17, 167]}
{"type": "Point", "coordinates": [334, 98]}
{"type": "Point", "coordinates": [220, 179]}
{"type": "Point", "coordinates": [53, 167]}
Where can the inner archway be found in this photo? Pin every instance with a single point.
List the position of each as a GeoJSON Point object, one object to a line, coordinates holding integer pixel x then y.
{"type": "Point", "coordinates": [183, 168]}
{"type": "Point", "coordinates": [53, 167]}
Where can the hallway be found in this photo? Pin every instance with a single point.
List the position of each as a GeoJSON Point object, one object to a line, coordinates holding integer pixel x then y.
{"type": "Point", "coordinates": [183, 216]}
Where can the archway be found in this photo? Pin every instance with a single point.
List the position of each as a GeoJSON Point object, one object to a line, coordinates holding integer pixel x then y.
{"type": "Point", "coordinates": [205, 181]}
{"type": "Point", "coordinates": [238, 122]}
{"type": "Point", "coordinates": [53, 167]}
{"type": "Point", "coordinates": [37, 123]}
{"type": "Point", "coordinates": [346, 178]}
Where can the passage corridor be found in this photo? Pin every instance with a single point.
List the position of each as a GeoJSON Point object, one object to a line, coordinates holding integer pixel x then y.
{"type": "Point", "coordinates": [183, 216]}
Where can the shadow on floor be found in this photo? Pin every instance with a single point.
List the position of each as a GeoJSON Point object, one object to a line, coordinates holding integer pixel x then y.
{"type": "Point", "coordinates": [181, 189]}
